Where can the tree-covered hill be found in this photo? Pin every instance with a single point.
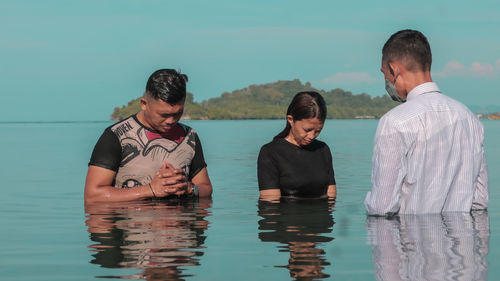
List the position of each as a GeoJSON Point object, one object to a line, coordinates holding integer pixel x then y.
{"type": "Point", "coordinates": [270, 101]}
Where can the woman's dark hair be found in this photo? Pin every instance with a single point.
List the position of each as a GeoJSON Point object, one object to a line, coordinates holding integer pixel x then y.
{"type": "Point", "coordinates": [304, 105]}
{"type": "Point", "coordinates": [168, 85]}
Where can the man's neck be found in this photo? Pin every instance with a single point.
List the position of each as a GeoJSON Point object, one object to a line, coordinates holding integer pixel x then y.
{"type": "Point", "coordinates": [142, 120]}
{"type": "Point", "coordinates": [414, 79]}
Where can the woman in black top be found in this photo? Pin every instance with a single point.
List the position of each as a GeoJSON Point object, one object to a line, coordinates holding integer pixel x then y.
{"type": "Point", "coordinates": [295, 163]}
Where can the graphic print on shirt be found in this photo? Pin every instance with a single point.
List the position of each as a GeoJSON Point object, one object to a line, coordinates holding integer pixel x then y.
{"type": "Point", "coordinates": [144, 151]}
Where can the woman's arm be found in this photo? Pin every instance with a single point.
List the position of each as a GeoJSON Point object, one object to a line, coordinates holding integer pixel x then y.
{"type": "Point", "coordinates": [270, 195]}
{"type": "Point", "coordinates": [332, 191]}
{"type": "Point", "coordinates": [268, 176]}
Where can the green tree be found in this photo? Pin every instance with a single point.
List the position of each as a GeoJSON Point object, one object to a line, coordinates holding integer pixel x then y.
{"type": "Point", "coordinates": [270, 101]}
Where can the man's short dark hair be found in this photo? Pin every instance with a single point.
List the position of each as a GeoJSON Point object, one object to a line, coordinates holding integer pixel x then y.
{"type": "Point", "coordinates": [168, 85]}
{"type": "Point", "coordinates": [411, 47]}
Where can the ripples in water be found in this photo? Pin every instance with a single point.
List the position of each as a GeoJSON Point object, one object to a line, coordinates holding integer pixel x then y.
{"type": "Point", "coordinates": [158, 238]}
{"type": "Point", "coordinates": [450, 246]}
{"type": "Point", "coordinates": [301, 226]}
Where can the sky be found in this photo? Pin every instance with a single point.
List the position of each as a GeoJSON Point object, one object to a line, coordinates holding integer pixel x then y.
{"type": "Point", "coordinates": [77, 60]}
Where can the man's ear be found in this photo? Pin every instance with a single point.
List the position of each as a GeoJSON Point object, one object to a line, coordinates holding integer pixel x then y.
{"type": "Point", "coordinates": [393, 68]}
{"type": "Point", "coordinates": [144, 102]}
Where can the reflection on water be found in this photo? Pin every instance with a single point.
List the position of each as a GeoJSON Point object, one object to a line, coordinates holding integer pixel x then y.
{"type": "Point", "coordinates": [299, 225]}
{"type": "Point", "coordinates": [430, 247]}
{"type": "Point", "coordinates": [157, 237]}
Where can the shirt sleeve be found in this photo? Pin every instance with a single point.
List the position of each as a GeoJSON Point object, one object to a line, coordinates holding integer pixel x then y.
{"type": "Point", "coordinates": [331, 173]}
{"type": "Point", "coordinates": [388, 170]}
{"type": "Point", "coordinates": [198, 162]}
{"type": "Point", "coordinates": [481, 193]}
{"type": "Point", "coordinates": [267, 170]}
{"type": "Point", "coordinates": [107, 151]}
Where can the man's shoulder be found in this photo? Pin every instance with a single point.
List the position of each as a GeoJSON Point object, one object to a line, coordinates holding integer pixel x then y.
{"type": "Point", "coordinates": [399, 113]}
{"type": "Point", "coordinates": [189, 132]}
{"type": "Point", "coordinates": [400, 119]}
{"type": "Point", "coordinates": [430, 107]}
{"type": "Point", "coordinates": [124, 125]}
{"type": "Point", "coordinates": [458, 105]}
{"type": "Point", "coordinates": [187, 128]}
{"type": "Point", "coordinates": [411, 109]}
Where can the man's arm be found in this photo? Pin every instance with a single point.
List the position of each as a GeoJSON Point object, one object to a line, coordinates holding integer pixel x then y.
{"type": "Point", "coordinates": [481, 193]}
{"type": "Point", "coordinates": [202, 181]}
{"type": "Point", "coordinates": [198, 172]}
{"type": "Point", "coordinates": [104, 163]}
{"type": "Point", "coordinates": [98, 186]}
{"type": "Point", "coordinates": [388, 171]}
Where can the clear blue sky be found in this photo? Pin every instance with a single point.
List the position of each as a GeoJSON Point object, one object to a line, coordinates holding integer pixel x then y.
{"type": "Point", "coordinates": [76, 60]}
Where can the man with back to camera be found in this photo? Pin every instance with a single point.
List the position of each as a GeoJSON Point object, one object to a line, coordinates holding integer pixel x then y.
{"type": "Point", "coordinates": [428, 155]}
{"type": "Point", "coordinates": [150, 154]}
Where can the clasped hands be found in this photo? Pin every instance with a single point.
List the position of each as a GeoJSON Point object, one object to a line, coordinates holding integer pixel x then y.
{"type": "Point", "coordinates": [169, 181]}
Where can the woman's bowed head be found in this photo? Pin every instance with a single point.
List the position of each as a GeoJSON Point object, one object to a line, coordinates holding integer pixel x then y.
{"type": "Point", "coordinates": [295, 163]}
{"type": "Point", "coordinates": [305, 118]}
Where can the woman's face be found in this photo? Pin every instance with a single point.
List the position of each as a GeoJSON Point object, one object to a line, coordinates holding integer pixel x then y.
{"type": "Point", "coordinates": [304, 131]}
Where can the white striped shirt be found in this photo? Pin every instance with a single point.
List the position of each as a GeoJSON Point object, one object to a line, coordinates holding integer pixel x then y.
{"type": "Point", "coordinates": [428, 157]}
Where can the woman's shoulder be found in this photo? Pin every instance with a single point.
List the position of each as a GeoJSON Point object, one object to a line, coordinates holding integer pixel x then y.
{"type": "Point", "coordinates": [317, 144]}
{"type": "Point", "coordinates": [276, 144]}
{"type": "Point", "coordinates": [280, 144]}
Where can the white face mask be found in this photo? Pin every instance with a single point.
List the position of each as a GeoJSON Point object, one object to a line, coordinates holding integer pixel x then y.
{"type": "Point", "coordinates": [392, 91]}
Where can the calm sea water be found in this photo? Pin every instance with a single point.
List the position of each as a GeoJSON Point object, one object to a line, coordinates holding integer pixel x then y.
{"type": "Point", "coordinates": [46, 233]}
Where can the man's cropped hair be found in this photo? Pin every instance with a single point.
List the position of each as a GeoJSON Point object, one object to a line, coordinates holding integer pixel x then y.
{"type": "Point", "coordinates": [410, 47]}
{"type": "Point", "coordinates": [169, 85]}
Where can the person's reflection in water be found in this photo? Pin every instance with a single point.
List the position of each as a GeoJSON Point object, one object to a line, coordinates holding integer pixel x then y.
{"type": "Point", "coordinates": [157, 237]}
{"type": "Point", "coordinates": [299, 224]}
{"type": "Point", "coordinates": [451, 246]}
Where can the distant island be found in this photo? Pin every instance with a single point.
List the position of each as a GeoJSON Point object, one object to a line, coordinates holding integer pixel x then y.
{"type": "Point", "coordinates": [270, 101]}
{"type": "Point", "coordinates": [492, 116]}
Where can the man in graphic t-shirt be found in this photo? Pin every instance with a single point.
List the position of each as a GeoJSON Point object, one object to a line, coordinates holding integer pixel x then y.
{"type": "Point", "coordinates": [150, 154]}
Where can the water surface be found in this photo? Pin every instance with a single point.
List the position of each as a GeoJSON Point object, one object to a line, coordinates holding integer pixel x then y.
{"type": "Point", "coordinates": [47, 234]}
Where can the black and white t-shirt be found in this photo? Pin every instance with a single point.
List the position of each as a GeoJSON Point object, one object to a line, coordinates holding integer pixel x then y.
{"type": "Point", "coordinates": [136, 152]}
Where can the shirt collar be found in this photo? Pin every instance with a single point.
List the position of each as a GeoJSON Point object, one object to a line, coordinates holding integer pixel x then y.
{"type": "Point", "coordinates": [422, 89]}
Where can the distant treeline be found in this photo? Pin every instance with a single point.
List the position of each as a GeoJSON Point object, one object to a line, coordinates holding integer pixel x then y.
{"type": "Point", "coordinates": [493, 116]}
{"type": "Point", "coordinates": [270, 101]}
